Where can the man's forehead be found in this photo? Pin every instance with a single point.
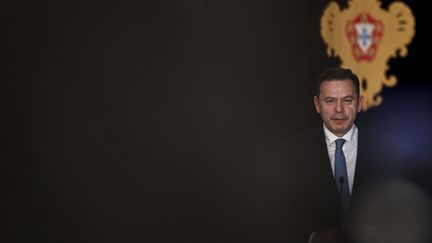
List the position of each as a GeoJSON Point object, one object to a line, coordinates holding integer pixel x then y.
{"type": "Point", "coordinates": [339, 81]}
{"type": "Point", "coordinates": [337, 88]}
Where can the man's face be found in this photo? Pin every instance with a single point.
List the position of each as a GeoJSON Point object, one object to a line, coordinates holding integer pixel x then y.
{"type": "Point", "coordinates": [338, 105]}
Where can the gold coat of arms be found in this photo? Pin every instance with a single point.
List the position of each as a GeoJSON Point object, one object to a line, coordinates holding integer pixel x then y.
{"type": "Point", "coordinates": [365, 36]}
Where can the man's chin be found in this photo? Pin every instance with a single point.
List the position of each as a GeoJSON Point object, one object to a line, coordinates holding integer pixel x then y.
{"type": "Point", "coordinates": [340, 123]}
{"type": "Point", "coordinates": [339, 130]}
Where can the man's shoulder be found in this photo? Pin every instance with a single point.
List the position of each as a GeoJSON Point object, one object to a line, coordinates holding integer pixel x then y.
{"type": "Point", "coordinates": [379, 138]}
{"type": "Point", "coordinates": [383, 147]}
{"type": "Point", "coordinates": [311, 133]}
{"type": "Point", "coordinates": [373, 132]}
{"type": "Point", "coordinates": [310, 141]}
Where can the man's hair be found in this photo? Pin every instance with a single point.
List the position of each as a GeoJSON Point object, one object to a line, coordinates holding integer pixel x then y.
{"type": "Point", "coordinates": [337, 73]}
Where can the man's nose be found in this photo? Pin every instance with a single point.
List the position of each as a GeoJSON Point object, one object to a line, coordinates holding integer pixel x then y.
{"type": "Point", "coordinates": [339, 106]}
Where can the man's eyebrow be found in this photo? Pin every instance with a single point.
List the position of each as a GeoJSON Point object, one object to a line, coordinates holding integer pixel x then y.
{"type": "Point", "coordinates": [345, 97]}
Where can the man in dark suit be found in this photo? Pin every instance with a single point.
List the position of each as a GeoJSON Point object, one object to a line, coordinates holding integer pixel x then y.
{"type": "Point", "coordinates": [342, 170]}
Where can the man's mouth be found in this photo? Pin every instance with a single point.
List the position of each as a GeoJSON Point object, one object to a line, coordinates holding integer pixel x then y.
{"type": "Point", "coordinates": [339, 121]}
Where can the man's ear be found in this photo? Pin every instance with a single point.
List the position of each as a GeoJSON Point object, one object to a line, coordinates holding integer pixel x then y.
{"type": "Point", "coordinates": [360, 103]}
{"type": "Point", "coordinates": [316, 103]}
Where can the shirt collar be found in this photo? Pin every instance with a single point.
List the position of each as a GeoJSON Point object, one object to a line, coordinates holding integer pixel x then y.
{"type": "Point", "coordinates": [348, 137]}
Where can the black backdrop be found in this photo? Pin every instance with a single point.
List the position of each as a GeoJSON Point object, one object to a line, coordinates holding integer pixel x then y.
{"type": "Point", "coordinates": [167, 121]}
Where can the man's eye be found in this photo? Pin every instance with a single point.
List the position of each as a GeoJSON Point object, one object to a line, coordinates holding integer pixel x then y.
{"type": "Point", "coordinates": [348, 101]}
{"type": "Point", "coordinates": [329, 101]}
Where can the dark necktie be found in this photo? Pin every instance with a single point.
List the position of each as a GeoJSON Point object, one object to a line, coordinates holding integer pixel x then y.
{"type": "Point", "coordinates": [341, 175]}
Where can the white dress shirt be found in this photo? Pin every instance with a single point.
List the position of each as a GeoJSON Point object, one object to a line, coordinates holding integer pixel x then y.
{"type": "Point", "coordinates": [349, 149]}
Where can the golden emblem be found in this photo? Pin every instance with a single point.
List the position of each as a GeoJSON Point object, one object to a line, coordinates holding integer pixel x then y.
{"type": "Point", "coordinates": [365, 37]}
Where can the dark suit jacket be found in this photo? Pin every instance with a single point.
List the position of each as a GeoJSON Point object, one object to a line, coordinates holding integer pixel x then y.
{"type": "Point", "coordinates": [315, 204]}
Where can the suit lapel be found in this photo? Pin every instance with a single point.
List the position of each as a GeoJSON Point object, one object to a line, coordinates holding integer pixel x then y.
{"type": "Point", "coordinates": [323, 153]}
{"type": "Point", "coordinates": [325, 169]}
{"type": "Point", "coordinates": [364, 158]}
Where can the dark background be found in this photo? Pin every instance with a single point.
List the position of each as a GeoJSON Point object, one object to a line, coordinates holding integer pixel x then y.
{"type": "Point", "coordinates": [167, 121]}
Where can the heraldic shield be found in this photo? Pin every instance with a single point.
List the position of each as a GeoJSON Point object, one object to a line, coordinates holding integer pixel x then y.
{"type": "Point", "coordinates": [365, 36]}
